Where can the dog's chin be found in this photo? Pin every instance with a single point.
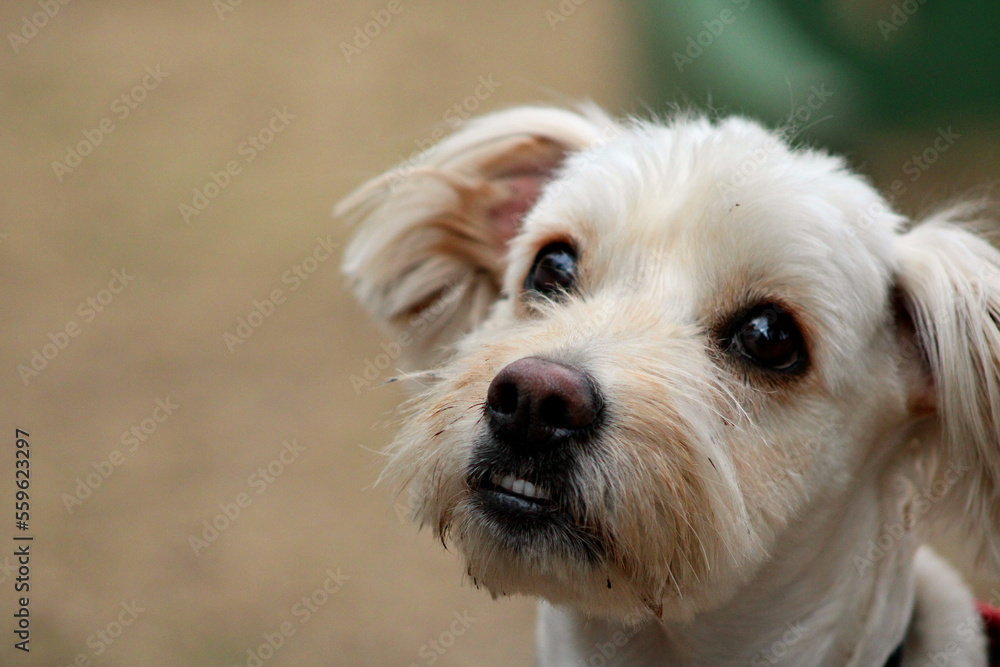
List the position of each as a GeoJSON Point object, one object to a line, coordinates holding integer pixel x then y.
{"type": "Point", "coordinates": [514, 549]}
{"type": "Point", "coordinates": [516, 544]}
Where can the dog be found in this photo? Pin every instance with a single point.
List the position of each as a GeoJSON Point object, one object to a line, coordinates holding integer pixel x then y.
{"type": "Point", "coordinates": [702, 392]}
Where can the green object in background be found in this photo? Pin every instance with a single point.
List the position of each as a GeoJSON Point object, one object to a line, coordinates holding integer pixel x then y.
{"type": "Point", "coordinates": [855, 65]}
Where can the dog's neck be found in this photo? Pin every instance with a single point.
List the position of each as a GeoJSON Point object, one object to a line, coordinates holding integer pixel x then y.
{"type": "Point", "coordinates": [820, 601]}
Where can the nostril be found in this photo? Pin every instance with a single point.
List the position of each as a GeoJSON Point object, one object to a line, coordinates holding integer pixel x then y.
{"type": "Point", "coordinates": [552, 412]}
{"type": "Point", "coordinates": [504, 398]}
{"type": "Point", "coordinates": [570, 406]}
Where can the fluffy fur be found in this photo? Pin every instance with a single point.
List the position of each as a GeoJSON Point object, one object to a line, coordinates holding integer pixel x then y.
{"type": "Point", "coordinates": [719, 515]}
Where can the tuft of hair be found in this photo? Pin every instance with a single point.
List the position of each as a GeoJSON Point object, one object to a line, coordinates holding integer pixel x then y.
{"type": "Point", "coordinates": [949, 275]}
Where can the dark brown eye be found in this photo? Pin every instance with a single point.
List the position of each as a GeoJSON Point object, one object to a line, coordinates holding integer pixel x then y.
{"type": "Point", "coordinates": [553, 271]}
{"type": "Point", "coordinates": [768, 336]}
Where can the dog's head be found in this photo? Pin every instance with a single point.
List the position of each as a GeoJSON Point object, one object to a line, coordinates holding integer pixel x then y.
{"type": "Point", "coordinates": [652, 348]}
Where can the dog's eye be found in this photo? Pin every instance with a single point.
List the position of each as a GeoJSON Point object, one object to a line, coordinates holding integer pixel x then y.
{"type": "Point", "coordinates": [553, 271]}
{"type": "Point", "coordinates": [769, 337]}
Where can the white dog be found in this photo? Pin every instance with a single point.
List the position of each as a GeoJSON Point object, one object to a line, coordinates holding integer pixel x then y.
{"type": "Point", "coordinates": [705, 394]}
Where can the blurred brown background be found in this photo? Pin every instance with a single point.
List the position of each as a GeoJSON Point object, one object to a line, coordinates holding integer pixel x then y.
{"type": "Point", "coordinates": [118, 486]}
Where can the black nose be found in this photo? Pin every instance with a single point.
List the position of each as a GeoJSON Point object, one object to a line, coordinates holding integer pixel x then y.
{"type": "Point", "coordinates": [534, 404]}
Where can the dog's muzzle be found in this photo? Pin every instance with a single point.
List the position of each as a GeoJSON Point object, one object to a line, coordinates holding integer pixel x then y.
{"type": "Point", "coordinates": [540, 417]}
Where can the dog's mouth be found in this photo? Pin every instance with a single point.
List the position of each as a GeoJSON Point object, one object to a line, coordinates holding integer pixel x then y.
{"type": "Point", "coordinates": [518, 493]}
{"type": "Point", "coordinates": [513, 494]}
{"type": "Point", "coordinates": [527, 512]}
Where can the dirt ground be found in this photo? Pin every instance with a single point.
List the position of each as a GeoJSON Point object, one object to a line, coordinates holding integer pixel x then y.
{"type": "Point", "coordinates": [201, 486]}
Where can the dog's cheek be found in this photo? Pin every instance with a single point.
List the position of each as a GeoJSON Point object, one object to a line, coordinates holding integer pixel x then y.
{"type": "Point", "coordinates": [430, 455]}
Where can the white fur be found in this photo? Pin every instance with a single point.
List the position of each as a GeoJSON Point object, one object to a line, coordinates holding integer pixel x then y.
{"type": "Point", "coordinates": [743, 519]}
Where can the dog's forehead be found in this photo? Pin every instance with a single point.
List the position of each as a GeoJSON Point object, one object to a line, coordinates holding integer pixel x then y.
{"type": "Point", "coordinates": [692, 178]}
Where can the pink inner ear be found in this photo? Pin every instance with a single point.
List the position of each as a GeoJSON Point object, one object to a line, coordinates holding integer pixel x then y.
{"type": "Point", "coordinates": [519, 195]}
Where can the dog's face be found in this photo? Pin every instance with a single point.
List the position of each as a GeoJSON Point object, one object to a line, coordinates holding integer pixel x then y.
{"type": "Point", "coordinates": [669, 343]}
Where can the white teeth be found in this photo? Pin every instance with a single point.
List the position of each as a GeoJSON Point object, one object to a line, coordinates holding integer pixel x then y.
{"type": "Point", "coordinates": [521, 487]}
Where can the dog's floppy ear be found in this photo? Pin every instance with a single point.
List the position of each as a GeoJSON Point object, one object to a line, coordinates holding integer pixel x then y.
{"type": "Point", "coordinates": [429, 255]}
{"type": "Point", "coordinates": [949, 277]}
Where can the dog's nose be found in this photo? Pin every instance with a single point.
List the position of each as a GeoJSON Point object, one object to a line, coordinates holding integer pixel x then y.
{"type": "Point", "coordinates": [534, 404]}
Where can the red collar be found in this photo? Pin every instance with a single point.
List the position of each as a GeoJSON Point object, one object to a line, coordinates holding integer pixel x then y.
{"type": "Point", "coordinates": [991, 624]}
